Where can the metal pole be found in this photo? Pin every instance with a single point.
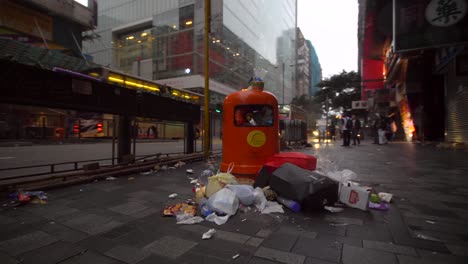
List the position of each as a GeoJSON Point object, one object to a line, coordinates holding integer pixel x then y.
{"type": "Point", "coordinates": [206, 128]}
{"type": "Point", "coordinates": [134, 132]}
{"type": "Point", "coordinates": [282, 100]}
{"type": "Point", "coordinates": [114, 132]}
{"type": "Point", "coordinates": [326, 120]}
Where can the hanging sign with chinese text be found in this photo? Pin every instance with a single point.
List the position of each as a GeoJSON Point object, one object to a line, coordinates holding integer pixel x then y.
{"type": "Point", "coordinates": [421, 24]}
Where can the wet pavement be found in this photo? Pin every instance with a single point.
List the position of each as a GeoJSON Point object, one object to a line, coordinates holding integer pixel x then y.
{"type": "Point", "coordinates": [121, 221]}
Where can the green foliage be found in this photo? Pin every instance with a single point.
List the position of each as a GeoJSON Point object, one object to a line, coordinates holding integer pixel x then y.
{"type": "Point", "coordinates": [341, 89]}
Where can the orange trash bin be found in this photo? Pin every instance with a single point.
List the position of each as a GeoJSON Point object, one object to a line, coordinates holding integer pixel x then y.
{"type": "Point", "coordinates": [250, 130]}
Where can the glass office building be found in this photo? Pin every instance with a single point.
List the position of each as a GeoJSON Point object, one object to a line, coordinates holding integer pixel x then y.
{"type": "Point", "coordinates": [163, 40]}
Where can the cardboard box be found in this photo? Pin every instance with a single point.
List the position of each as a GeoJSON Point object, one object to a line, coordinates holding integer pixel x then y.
{"type": "Point", "coordinates": [354, 195]}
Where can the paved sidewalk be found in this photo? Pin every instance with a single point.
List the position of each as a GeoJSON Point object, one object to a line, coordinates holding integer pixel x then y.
{"type": "Point", "coordinates": [120, 221]}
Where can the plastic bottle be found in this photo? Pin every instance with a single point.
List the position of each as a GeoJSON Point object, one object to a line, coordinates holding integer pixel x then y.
{"type": "Point", "coordinates": [293, 205]}
{"type": "Point", "coordinates": [204, 209]}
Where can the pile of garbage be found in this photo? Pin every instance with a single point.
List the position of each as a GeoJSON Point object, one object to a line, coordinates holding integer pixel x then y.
{"type": "Point", "coordinates": [286, 180]}
{"type": "Point", "coordinates": [20, 197]}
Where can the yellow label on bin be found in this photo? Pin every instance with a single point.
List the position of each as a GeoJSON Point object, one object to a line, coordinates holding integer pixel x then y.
{"type": "Point", "coordinates": [256, 138]}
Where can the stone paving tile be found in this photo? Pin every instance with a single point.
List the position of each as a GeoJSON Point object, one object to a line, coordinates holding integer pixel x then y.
{"type": "Point", "coordinates": [92, 224]}
{"type": "Point", "coordinates": [343, 240]}
{"type": "Point", "coordinates": [317, 248]}
{"type": "Point", "coordinates": [127, 254]}
{"type": "Point", "coordinates": [91, 257]}
{"type": "Point", "coordinates": [281, 241]}
{"type": "Point", "coordinates": [403, 259]}
{"type": "Point", "coordinates": [63, 233]}
{"type": "Point", "coordinates": [220, 249]}
{"type": "Point", "coordinates": [53, 253]}
{"type": "Point", "coordinates": [279, 256]}
{"type": "Point", "coordinates": [437, 226]}
{"type": "Point", "coordinates": [129, 208]}
{"type": "Point", "coordinates": [171, 247]}
{"type": "Point", "coordinates": [119, 231]}
{"type": "Point", "coordinates": [347, 220]}
{"type": "Point", "coordinates": [377, 232]}
{"type": "Point", "coordinates": [460, 250]}
{"type": "Point", "coordinates": [97, 243]}
{"type": "Point", "coordinates": [25, 243]}
{"type": "Point", "coordinates": [5, 220]}
{"type": "Point", "coordinates": [256, 260]}
{"type": "Point", "coordinates": [353, 255]}
{"type": "Point", "coordinates": [254, 241]}
{"type": "Point", "coordinates": [390, 247]}
{"type": "Point", "coordinates": [436, 236]}
{"type": "Point", "coordinates": [153, 259]}
{"type": "Point", "coordinates": [233, 237]}
{"type": "Point", "coordinates": [195, 258]}
{"type": "Point", "coordinates": [5, 259]}
{"type": "Point", "coordinates": [310, 260]}
{"type": "Point", "coordinates": [264, 233]}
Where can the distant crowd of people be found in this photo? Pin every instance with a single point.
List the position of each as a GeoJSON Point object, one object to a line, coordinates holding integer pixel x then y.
{"type": "Point", "coordinates": [351, 129]}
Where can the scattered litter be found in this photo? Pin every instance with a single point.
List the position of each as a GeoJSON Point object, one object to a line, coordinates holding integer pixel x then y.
{"type": "Point", "coordinates": [219, 220]}
{"type": "Point", "coordinates": [174, 195]}
{"type": "Point", "coordinates": [184, 208]}
{"type": "Point", "coordinates": [5, 205]}
{"type": "Point", "coordinates": [164, 167]}
{"type": "Point", "coordinates": [386, 197]}
{"type": "Point", "coordinates": [157, 168]}
{"type": "Point", "coordinates": [272, 207]}
{"type": "Point", "coordinates": [146, 172]}
{"type": "Point", "coordinates": [189, 171]}
{"type": "Point", "coordinates": [110, 178]}
{"type": "Point", "coordinates": [270, 195]}
{"type": "Point", "coordinates": [342, 176]}
{"type": "Point", "coordinates": [235, 256]}
{"type": "Point", "coordinates": [81, 190]}
{"type": "Point", "coordinates": [190, 178]}
{"type": "Point", "coordinates": [334, 209]}
{"type": "Point", "coordinates": [244, 193]}
{"type": "Point", "coordinates": [179, 164]}
{"type": "Point", "coordinates": [209, 234]}
{"type": "Point", "coordinates": [172, 168]}
{"type": "Point", "coordinates": [243, 220]}
{"type": "Point", "coordinates": [51, 222]}
{"type": "Point", "coordinates": [426, 237]}
{"type": "Point", "coordinates": [194, 181]}
{"type": "Point", "coordinates": [293, 205]}
{"type": "Point", "coordinates": [430, 222]}
{"type": "Point", "coordinates": [131, 178]}
{"type": "Point", "coordinates": [379, 206]}
{"type": "Point", "coordinates": [191, 221]}
{"type": "Point", "coordinates": [339, 224]}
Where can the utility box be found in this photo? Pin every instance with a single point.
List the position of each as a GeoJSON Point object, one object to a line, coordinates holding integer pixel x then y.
{"type": "Point", "coordinates": [250, 130]}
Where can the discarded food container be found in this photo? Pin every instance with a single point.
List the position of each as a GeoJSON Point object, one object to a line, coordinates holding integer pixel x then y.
{"type": "Point", "coordinates": [354, 195]}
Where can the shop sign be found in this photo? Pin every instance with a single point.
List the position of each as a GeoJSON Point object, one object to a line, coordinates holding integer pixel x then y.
{"type": "Point", "coordinates": [421, 24]}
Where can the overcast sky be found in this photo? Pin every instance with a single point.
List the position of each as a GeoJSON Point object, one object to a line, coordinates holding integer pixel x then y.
{"type": "Point", "coordinates": [331, 25]}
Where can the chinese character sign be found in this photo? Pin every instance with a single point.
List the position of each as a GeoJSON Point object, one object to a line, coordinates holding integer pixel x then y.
{"type": "Point", "coordinates": [359, 104]}
{"type": "Point", "coordinates": [444, 13]}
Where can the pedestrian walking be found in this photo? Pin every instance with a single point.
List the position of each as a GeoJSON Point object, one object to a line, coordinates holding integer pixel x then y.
{"type": "Point", "coordinates": [346, 128]}
{"type": "Point", "coordinates": [356, 130]}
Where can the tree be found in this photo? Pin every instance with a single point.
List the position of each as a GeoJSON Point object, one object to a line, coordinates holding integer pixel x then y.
{"type": "Point", "coordinates": [340, 90]}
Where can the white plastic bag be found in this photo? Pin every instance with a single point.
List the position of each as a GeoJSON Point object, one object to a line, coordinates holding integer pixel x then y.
{"type": "Point", "coordinates": [342, 176]}
{"type": "Point", "coordinates": [244, 193]}
{"type": "Point", "coordinates": [224, 201]}
{"type": "Point", "coordinates": [219, 220]}
{"type": "Point", "coordinates": [190, 221]}
{"type": "Point", "coordinates": [260, 199]}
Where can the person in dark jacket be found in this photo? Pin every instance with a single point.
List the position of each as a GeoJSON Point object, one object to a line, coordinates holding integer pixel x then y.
{"type": "Point", "coordinates": [356, 130]}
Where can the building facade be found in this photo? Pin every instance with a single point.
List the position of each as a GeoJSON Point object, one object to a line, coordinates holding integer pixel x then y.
{"type": "Point", "coordinates": [303, 86]}
{"type": "Point", "coordinates": [163, 40]}
{"type": "Point", "coordinates": [45, 33]}
{"type": "Point", "coordinates": [315, 69]}
{"type": "Point", "coordinates": [413, 62]}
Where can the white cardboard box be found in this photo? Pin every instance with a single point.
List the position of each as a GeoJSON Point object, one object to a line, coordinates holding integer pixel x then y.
{"type": "Point", "coordinates": [355, 195]}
